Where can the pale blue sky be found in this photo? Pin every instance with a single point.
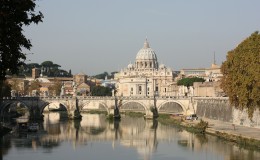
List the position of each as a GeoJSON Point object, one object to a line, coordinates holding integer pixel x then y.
{"type": "Point", "coordinates": [93, 36]}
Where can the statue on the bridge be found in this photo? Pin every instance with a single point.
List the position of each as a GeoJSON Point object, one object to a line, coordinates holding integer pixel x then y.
{"type": "Point", "coordinates": [191, 91]}
{"type": "Point", "coordinates": [113, 92]}
{"type": "Point", "coordinates": [62, 92]}
{"type": "Point", "coordinates": [13, 93]}
{"type": "Point", "coordinates": [74, 89]}
{"type": "Point", "coordinates": [45, 93]}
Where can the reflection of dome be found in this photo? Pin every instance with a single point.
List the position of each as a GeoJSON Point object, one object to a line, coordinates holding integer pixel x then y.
{"type": "Point", "coordinates": [146, 57]}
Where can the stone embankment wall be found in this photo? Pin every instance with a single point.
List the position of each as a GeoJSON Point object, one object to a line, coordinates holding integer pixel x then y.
{"type": "Point", "coordinates": [219, 109]}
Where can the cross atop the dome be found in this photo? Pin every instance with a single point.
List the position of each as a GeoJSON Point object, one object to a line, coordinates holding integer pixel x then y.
{"type": "Point", "coordinates": [146, 44]}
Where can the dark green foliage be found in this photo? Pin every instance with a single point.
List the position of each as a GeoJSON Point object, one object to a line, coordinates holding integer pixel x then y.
{"type": "Point", "coordinates": [202, 126]}
{"type": "Point", "coordinates": [113, 74]}
{"type": "Point", "coordinates": [5, 89]}
{"type": "Point", "coordinates": [241, 74]}
{"type": "Point", "coordinates": [101, 76]}
{"type": "Point", "coordinates": [49, 64]}
{"type": "Point", "coordinates": [51, 69]}
{"type": "Point", "coordinates": [104, 75]}
{"type": "Point", "coordinates": [101, 91]}
{"type": "Point", "coordinates": [48, 68]}
{"type": "Point", "coordinates": [14, 15]}
{"type": "Point", "coordinates": [189, 81]}
{"type": "Point", "coordinates": [134, 114]}
{"type": "Point", "coordinates": [110, 118]}
{"type": "Point", "coordinates": [167, 120]}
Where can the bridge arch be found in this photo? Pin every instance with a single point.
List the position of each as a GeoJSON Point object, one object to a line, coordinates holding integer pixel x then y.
{"type": "Point", "coordinates": [101, 105]}
{"type": "Point", "coordinates": [26, 110]}
{"type": "Point", "coordinates": [7, 104]}
{"type": "Point", "coordinates": [171, 107]}
{"type": "Point", "coordinates": [46, 103]}
{"type": "Point", "coordinates": [133, 106]}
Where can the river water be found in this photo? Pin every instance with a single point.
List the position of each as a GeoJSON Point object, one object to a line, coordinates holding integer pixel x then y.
{"type": "Point", "coordinates": [132, 138]}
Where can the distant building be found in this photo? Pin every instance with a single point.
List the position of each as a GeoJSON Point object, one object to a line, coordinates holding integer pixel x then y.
{"type": "Point", "coordinates": [36, 73]}
{"type": "Point", "coordinates": [19, 85]}
{"type": "Point", "coordinates": [83, 89]}
{"type": "Point", "coordinates": [209, 74]}
{"type": "Point", "coordinates": [80, 78]}
{"type": "Point", "coordinates": [82, 84]}
{"type": "Point", "coordinates": [146, 77]}
{"type": "Point", "coordinates": [108, 83]}
{"type": "Point", "coordinates": [207, 89]}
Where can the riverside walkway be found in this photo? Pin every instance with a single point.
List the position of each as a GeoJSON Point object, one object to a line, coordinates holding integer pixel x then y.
{"type": "Point", "coordinates": [230, 129]}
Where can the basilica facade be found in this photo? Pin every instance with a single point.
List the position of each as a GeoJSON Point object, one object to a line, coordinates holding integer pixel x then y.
{"type": "Point", "coordinates": [146, 77]}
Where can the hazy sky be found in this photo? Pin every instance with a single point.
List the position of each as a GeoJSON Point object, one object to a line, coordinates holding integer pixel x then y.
{"type": "Point", "coordinates": [93, 36]}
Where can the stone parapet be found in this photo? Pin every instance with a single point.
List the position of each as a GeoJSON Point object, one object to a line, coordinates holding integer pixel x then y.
{"type": "Point", "coordinates": [219, 108]}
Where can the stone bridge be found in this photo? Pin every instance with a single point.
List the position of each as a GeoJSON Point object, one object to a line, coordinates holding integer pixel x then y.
{"type": "Point", "coordinates": [75, 105]}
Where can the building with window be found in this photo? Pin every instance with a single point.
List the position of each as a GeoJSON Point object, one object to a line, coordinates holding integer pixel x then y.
{"type": "Point", "coordinates": [209, 74]}
{"type": "Point", "coordinates": [146, 77]}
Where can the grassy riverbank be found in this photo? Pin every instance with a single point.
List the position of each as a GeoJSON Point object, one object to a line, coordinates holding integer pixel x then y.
{"type": "Point", "coordinates": [134, 114]}
{"type": "Point", "coordinates": [196, 127]}
{"type": "Point", "coordinates": [244, 142]}
{"type": "Point", "coordinates": [95, 112]}
{"type": "Point", "coordinates": [202, 127]}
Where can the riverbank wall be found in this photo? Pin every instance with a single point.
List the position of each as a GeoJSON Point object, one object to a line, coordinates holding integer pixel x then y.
{"type": "Point", "coordinates": [219, 108]}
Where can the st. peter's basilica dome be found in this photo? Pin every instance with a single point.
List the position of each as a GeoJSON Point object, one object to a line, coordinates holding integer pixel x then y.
{"type": "Point", "coordinates": [146, 57]}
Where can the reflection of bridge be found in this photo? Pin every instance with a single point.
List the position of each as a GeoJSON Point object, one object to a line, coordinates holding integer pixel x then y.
{"type": "Point", "coordinates": [75, 105]}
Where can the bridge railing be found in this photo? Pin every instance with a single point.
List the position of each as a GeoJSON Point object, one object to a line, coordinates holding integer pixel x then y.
{"type": "Point", "coordinates": [208, 98]}
{"type": "Point", "coordinates": [20, 98]}
{"type": "Point", "coordinates": [99, 98]}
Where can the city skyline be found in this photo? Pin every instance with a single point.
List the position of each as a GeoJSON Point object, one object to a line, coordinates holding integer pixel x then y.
{"type": "Point", "coordinates": [93, 37]}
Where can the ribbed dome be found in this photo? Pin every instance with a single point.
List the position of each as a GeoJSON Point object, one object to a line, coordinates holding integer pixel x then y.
{"type": "Point", "coordinates": [146, 53]}
{"type": "Point", "coordinates": [146, 57]}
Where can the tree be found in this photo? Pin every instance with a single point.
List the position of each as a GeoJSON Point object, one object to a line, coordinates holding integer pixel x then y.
{"type": "Point", "coordinates": [113, 74]}
{"type": "Point", "coordinates": [35, 85]}
{"type": "Point", "coordinates": [56, 87]}
{"type": "Point", "coordinates": [15, 85]}
{"type": "Point", "coordinates": [50, 69]}
{"type": "Point", "coordinates": [101, 76]}
{"type": "Point", "coordinates": [14, 14]}
{"type": "Point", "coordinates": [5, 90]}
{"type": "Point", "coordinates": [241, 74]}
{"type": "Point", "coordinates": [27, 68]}
{"type": "Point", "coordinates": [189, 81]}
{"type": "Point", "coordinates": [101, 91]}
{"type": "Point", "coordinates": [70, 75]}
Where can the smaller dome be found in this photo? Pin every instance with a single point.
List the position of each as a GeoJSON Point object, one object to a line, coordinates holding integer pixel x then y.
{"type": "Point", "coordinates": [130, 66]}
{"type": "Point", "coordinates": [162, 66]}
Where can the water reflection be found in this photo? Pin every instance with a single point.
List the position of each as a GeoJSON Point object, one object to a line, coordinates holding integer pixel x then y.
{"type": "Point", "coordinates": [143, 139]}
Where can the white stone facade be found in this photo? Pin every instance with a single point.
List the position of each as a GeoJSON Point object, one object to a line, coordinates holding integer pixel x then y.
{"type": "Point", "coordinates": [146, 77]}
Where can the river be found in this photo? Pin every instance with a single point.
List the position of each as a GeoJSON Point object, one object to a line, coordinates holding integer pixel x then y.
{"type": "Point", "coordinates": [131, 138]}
